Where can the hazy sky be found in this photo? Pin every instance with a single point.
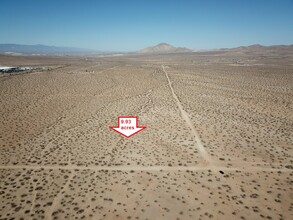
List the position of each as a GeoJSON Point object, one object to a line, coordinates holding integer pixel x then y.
{"type": "Point", "coordinates": [128, 25]}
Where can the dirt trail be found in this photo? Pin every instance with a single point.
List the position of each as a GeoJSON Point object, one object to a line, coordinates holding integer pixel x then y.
{"type": "Point", "coordinates": [58, 197]}
{"type": "Point", "coordinates": [186, 118]}
{"type": "Point", "coordinates": [34, 196]}
{"type": "Point", "coordinates": [243, 167]}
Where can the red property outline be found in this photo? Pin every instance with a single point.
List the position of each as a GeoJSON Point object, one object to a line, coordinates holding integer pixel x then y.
{"type": "Point", "coordinates": [143, 126]}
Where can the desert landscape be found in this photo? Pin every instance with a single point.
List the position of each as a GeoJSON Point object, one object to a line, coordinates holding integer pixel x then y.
{"type": "Point", "coordinates": [218, 142]}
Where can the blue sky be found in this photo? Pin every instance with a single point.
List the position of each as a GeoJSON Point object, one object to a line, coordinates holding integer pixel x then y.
{"type": "Point", "coordinates": [129, 25]}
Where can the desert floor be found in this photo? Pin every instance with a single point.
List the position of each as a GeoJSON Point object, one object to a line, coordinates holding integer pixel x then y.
{"type": "Point", "coordinates": [218, 142]}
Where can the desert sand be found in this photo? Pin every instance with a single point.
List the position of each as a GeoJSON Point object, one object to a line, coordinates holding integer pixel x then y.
{"type": "Point", "coordinates": [218, 142]}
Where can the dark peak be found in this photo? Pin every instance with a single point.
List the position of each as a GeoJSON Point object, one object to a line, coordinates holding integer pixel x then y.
{"type": "Point", "coordinates": [164, 44]}
{"type": "Point", "coordinates": [164, 48]}
{"type": "Point", "coordinates": [256, 45]}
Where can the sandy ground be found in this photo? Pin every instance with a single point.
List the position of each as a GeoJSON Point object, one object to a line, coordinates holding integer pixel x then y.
{"type": "Point", "coordinates": [218, 143]}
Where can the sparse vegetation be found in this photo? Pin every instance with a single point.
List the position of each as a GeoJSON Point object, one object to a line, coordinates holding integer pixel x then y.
{"type": "Point", "coordinates": [59, 159]}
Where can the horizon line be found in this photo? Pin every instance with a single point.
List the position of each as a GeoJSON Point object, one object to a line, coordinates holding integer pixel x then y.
{"type": "Point", "coordinates": [129, 51]}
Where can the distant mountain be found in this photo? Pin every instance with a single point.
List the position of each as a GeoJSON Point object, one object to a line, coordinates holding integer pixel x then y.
{"type": "Point", "coordinates": [41, 49]}
{"type": "Point", "coordinates": [260, 48]}
{"type": "Point", "coordinates": [163, 48]}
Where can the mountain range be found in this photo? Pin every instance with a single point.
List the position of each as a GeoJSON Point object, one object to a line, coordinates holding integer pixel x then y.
{"type": "Point", "coordinates": [162, 48]}
{"type": "Point", "coordinates": [42, 49]}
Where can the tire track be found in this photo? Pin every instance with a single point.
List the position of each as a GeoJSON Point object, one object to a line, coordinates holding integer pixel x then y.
{"type": "Point", "coordinates": [58, 197]}
{"type": "Point", "coordinates": [240, 167]}
{"type": "Point", "coordinates": [186, 118]}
